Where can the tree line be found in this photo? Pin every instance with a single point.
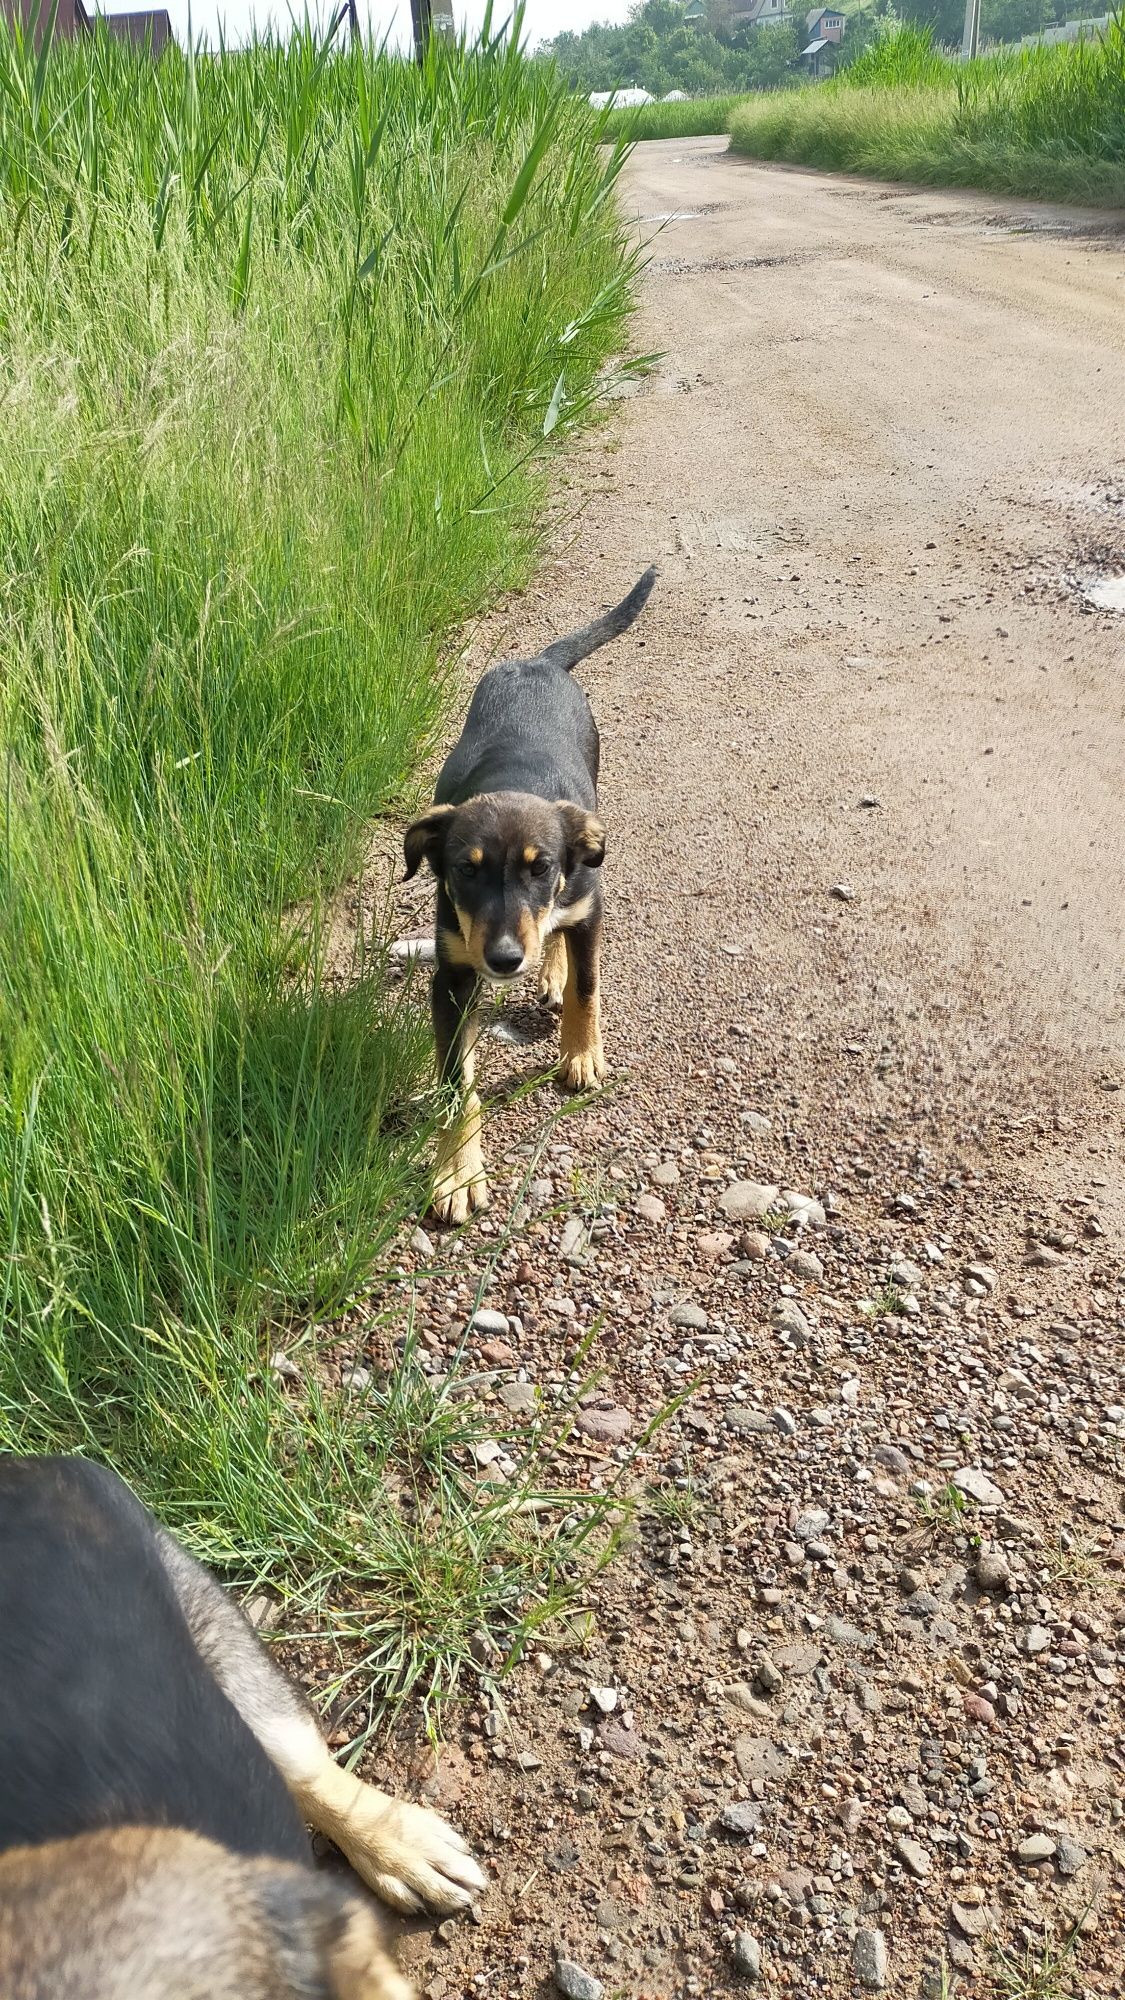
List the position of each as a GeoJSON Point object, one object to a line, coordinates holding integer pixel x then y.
{"type": "Point", "coordinates": [659, 50]}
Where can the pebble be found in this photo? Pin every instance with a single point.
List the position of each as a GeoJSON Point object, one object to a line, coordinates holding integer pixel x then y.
{"type": "Point", "coordinates": [575, 1983]}
{"type": "Point", "coordinates": [978, 1709]}
{"type": "Point", "coordinates": [803, 1264]}
{"type": "Point", "coordinates": [1070, 1856]}
{"type": "Point", "coordinates": [667, 1174]}
{"type": "Point", "coordinates": [282, 1366]}
{"type": "Point", "coordinates": [784, 1422]}
{"type": "Point", "coordinates": [604, 1698]}
{"type": "Point", "coordinates": [574, 1241]}
{"type": "Point", "coordinates": [992, 1572]}
{"type": "Point", "coordinates": [650, 1208]}
{"type": "Point", "coordinates": [913, 1856]}
{"type": "Point", "coordinates": [758, 1757]}
{"type": "Point", "coordinates": [742, 1817]}
{"type": "Point", "coordinates": [487, 1321]}
{"type": "Point", "coordinates": [746, 1201]}
{"type": "Point", "coordinates": [755, 1245]}
{"type": "Point", "coordinates": [978, 1486]}
{"type": "Point", "coordinates": [421, 1244]}
{"type": "Point", "coordinates": [811, 1522]}
{"type": "Point", "coordinates": [869, 1959]}
{"type": "Point", "coordinates": [521, 1398]}
{"type": "Point", "coordinates": [971, 1921]}
{"type": "Point", "coordinates": [604, 1426]}
{"type": "Point", "coordinates": [747, 1955]}
{"type": "Point", "coordinates": [1038, 1847]}
{"type": "Point", "coordinates": [714, 1243]}
{"type": "Point", "coordinates": [894, 1460]}
{"type": "Point", "coordinates": [906, 1274]}
{"type": "Point", "coordinates": [692, 1317]}
{"type": "Point", "coordinates": [790, 1321]}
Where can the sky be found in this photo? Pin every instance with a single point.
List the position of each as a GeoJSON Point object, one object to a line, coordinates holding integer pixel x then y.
{"type": "Point", "coordinates": [543, 19]}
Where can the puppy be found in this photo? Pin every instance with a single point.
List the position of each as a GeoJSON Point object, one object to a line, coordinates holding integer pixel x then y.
{"type": "Point", "coordinates": [516, 845]}
{"type": "Point", "coordinates": [156, 1771]}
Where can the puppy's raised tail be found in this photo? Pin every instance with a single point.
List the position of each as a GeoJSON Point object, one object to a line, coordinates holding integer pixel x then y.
{"type": "Point", "coordinates": [567, 652]}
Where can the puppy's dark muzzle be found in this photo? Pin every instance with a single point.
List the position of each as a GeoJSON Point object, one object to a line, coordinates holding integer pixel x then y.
{"type": "Point", "coordinates": [505, 959]}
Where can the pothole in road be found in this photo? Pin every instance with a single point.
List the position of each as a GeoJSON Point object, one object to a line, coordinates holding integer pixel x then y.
{"type": "Point", "coordinates": [677, 267]}
{"type": "Point", "coordinates": [1102, 593]}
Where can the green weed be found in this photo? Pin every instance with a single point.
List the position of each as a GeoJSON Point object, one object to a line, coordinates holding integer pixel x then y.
{"type": "Point", "coordinates": [686, 120]}
{"type": "Point", "coordinates": [1048, 122]}
{"type": "Point", "coordinates": [286, 334]}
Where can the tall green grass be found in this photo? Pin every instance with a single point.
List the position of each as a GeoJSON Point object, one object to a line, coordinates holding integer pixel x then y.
{"type": "Point", "coordinates": [283, 337]}
{"type": "Point", "coordinates": [1048, 122]}
{"type": "Point", "coordinates": [686, 120]}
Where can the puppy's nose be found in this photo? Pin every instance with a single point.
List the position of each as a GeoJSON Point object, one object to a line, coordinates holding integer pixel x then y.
{"type": "Point", "coordinates": [504, 958]}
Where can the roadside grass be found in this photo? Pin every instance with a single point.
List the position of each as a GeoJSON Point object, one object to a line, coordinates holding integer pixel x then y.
{"type": "Point", "coordinates": [1072, 1561]}
{"type": "Point", "coordinates": [1044, 1970]}
{"type": "Point", "coordinates": [443, 1577]}
{"type": "Point", "coordinates": [687, 120]}
{"type": "Point", "coordinates": [1045, 122]}
{"type": "Point", "coordinates": [287, 334]}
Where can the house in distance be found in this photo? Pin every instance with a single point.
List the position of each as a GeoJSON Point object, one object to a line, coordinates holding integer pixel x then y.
{"type": "Point", "coordinates": [150, 27]}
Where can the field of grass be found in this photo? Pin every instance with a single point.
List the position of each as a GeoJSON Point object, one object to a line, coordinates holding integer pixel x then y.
{"type": "Point", "coordinates": [694, 116]}
{"type": "Point", "coordinates": [1043, 122]}
{"type": "Point", "coordinates": [285, 337]}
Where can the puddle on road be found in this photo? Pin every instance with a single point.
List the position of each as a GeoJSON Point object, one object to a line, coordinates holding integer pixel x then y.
{"type": "Point", "coordinates": [1103, 593]}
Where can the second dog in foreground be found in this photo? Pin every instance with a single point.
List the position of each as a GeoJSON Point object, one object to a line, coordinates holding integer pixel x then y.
{"type": "Point", "coordinates": [156, 1769]}
{"type": "Point", "coordinates": [515, 843]}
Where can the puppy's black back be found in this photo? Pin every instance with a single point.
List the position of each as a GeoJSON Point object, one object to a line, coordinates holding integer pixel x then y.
{"type": "Point", "coordinates": [108, 1715]}
{"type": "Point", "coordinates": [529, 729]}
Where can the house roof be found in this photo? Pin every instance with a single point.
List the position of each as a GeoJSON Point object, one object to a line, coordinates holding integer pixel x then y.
{"type": "Point", "coordinates": [814, 48]}
{"type": "Point", "coordinates": [146, 23]}
{"type": "Point", "coordinates": [816, 14]}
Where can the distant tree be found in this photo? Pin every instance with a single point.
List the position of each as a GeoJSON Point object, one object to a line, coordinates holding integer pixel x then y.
{"type": "Point", "coordinates": [657, 49]}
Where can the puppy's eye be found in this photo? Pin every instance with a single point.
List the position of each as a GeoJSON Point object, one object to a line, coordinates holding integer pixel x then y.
{"type": "Point", "coordinates": [540, 865]}
{"type": "Point", "coordinates": [467, 869]}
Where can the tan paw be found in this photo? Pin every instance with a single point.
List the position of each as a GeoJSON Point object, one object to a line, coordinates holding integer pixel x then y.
{"type": "Point", "coordinates": [413, 1859]}
{"type": "Point", "coordinates": [459, 1194]}
{"type": "Point", "coordinates": [582, 1071]}
{"type": "Point", "coordinates": [552, 975]}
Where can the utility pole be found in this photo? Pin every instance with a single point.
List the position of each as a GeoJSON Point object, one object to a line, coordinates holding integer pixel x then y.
{"type": "Point", "coordinates": [420, 15]}
{"type": "Point", "coordinates": [971, 36]}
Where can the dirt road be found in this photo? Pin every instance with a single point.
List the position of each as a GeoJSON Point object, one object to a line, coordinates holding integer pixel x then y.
{"type": "Point", "coordinates": [863, 770]}
{"type": "Point", "coordinates": [886, 429]}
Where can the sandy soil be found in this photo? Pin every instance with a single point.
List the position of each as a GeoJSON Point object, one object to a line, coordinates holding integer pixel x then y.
{"type": "Point", "coordinates": [863, 762]}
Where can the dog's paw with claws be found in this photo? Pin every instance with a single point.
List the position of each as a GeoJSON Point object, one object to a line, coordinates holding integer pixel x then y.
{"type": "Point", "coordinates": [582, 1071]}
{"type": "Point", "coordinates": [456, 1198]}
{"type": "Point", "coordinates": [413, 1859]}
{"type": "Point", "coordinates": [552, 975]}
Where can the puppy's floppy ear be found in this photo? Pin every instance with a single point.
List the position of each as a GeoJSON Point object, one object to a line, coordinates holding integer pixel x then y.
{"type": "Point", "coordinates": [425, 840]}
{"type": "Point", "coordinates": [585, 836]}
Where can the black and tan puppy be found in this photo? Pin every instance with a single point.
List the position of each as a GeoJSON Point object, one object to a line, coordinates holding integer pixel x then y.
{"type": "Point", "coordinates": [516, 845]}
{"type": "Point", "coordinates": [156, 1771]}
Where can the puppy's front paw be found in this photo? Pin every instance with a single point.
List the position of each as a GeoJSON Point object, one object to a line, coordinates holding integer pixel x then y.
{"type": "Point", "coordinates": [455, 1200]}
{"type": "Point", "coordinates": [460, 1186]}
{"type": "Point", "coordinates": [552, 975]}
{"type": "Point", "coordinates": [582, 1070]}
{"type": "Point", "coordinates": [413, 1859]}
